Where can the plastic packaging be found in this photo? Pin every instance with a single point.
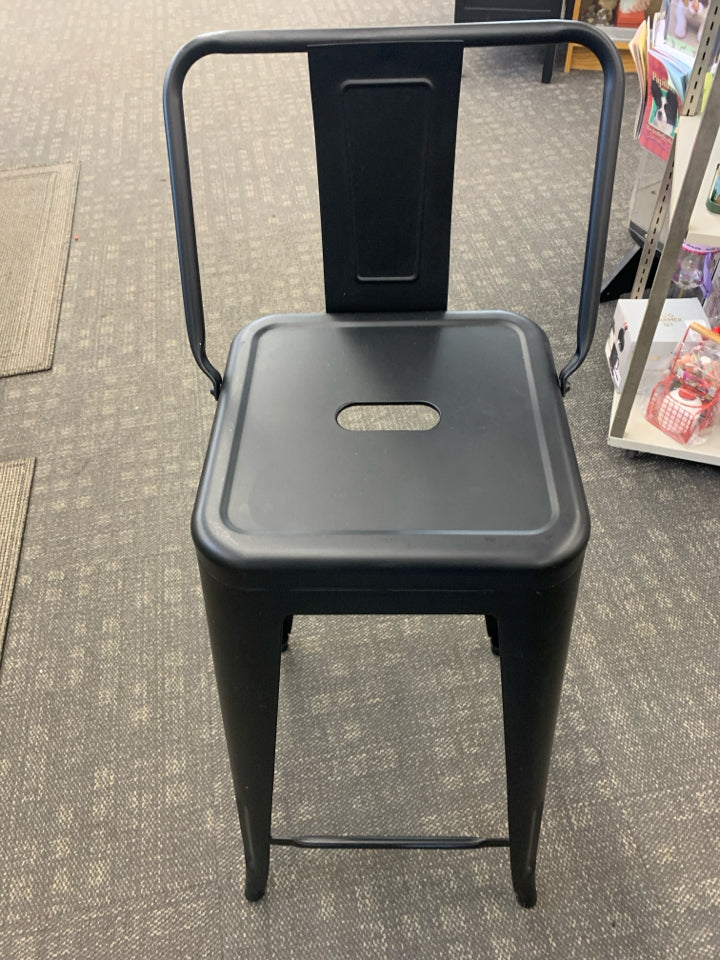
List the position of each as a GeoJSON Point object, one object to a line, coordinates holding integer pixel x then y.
{"type": "Point", "coordinates": [694, 273]}
{"type": "Point", "coordinates": [684, 404]}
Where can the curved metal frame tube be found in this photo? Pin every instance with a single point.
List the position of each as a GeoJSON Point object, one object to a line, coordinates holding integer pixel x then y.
{"type": "Point", "coordinates": [472, 35]}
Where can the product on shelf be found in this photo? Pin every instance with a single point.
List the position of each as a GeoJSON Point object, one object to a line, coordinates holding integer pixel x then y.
{"type": "Point", "coordinates": [631, 13]}
{"type": "Point", "coordinates": [694, 272]}
{"type": "Point", "coordinates": [684, 404]}
{"type": "Point", "coordinates": [622, 13]}
{"type": "Point", "coordinates": [676, 317]}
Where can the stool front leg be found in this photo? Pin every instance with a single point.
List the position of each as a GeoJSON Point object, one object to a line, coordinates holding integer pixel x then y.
{"type": "Point", "coordinates": [246, 636]}
{"type": "Point", "coordinates": [491, 625]}
{"type": "Point", "coordinates": [534, 642]}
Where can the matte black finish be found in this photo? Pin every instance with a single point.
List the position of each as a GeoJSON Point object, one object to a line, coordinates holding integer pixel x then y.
{"type": "Point", "coordinates": [389, 843]}
{"type": "Point", "coordinates": [385, 121]}
{"type": "Point", "coordinates": [482, 513]}
{"type": "Point", "coordinates": [495, 480]}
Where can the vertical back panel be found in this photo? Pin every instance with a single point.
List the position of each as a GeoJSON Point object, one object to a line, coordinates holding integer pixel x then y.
{"type": "Point", "coordinates": [385, 126]}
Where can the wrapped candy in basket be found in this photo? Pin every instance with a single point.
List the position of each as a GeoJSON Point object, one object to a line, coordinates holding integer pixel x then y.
{"type": "Point", "coordinates": [685, 403]}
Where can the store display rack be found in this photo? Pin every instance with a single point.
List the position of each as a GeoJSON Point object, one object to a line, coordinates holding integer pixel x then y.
{"type": "Point", "coordinates": [628, 427]}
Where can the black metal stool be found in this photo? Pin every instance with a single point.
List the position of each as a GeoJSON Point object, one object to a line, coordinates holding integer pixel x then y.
{"type": "Point", "coordinates": [481, 512]}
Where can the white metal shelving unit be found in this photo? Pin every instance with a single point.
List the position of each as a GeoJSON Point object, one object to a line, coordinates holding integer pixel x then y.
{"type": "Point", "coordinates": [628, 427]}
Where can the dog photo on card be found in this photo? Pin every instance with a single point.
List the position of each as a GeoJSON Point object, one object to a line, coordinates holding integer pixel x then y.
{"type": "Point", "coordinates": [665, 109]}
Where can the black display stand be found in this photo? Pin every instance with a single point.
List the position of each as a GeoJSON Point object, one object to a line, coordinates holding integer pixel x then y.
{"type": "Point", "coordinates": [621, 281]}
{"type": "Point", "coordinates": [484, 11]}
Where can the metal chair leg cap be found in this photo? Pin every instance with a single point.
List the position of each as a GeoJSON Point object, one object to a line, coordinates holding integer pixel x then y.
{"type": "Point", "coordinates": [527, 900]}
{"type": "Point", "coordinates": [253, 894]}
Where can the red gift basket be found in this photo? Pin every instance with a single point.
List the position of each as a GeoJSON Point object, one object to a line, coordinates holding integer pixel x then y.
{"type": "Point", "coordinates": [684, 405]}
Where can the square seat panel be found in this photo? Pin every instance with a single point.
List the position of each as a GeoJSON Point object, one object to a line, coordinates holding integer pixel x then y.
{"type": "Point", "coordinates": [492, 483]}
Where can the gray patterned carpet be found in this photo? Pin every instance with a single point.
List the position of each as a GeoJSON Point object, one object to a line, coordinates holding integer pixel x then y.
{"type": "Point", "coordinates": [120, 837]}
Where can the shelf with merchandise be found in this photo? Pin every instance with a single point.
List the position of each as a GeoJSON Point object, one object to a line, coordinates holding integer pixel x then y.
{"type": "Point", "coordinates": [656, 423]}
{"type": "Point", "coordinates": [675, 409]}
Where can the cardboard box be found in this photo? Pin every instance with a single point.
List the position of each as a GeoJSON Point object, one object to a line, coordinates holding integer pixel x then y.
{"type": "Point", "coordinates": [674, 321]}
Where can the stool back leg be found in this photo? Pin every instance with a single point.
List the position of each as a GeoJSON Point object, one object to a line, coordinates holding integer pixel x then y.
{"type": "Point", "coordinates": [534, 639]}
{"type": "Point", "coordinates": [246, 636]}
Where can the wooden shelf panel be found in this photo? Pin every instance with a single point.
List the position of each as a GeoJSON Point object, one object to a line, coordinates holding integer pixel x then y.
{"type": "Point", "coordinates": [580, 58]}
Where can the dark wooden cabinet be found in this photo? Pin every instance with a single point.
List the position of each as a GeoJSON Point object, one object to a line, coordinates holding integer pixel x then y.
{"type": "Point", "coordinates": [482, 11]}
{"type": "Point", "coordinates": [478, 11]}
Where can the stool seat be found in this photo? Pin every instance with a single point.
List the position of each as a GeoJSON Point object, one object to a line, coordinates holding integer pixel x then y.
{"type": "Point", "coordinates": [492, 488]}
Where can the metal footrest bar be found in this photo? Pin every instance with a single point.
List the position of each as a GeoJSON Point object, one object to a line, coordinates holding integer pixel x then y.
{"type": "Point", "coordinates": [390, 843]}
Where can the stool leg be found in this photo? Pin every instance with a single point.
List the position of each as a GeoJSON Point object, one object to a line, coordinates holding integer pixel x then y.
{"type": "Point", "coordinates": [491, 626]}
{"type": "Point", "coordinates": [534, 641]}
{"type": "Point", "coordinates": [287, 630]}
{"type": "Point", "coordinates": [548, 63]}
{"type": "Point", "coordinates": [246, 636]}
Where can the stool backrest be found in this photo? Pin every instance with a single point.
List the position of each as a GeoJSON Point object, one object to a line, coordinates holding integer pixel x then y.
{"type": "Point", "coordinates": [385, 106]}
{"type": "Point", "coordinates": [385, 124]}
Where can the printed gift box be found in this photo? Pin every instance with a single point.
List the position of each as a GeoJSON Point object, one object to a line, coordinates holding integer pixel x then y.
{"type": "Point", "coordinates": [674, 322]}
